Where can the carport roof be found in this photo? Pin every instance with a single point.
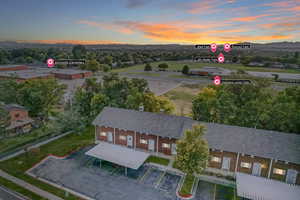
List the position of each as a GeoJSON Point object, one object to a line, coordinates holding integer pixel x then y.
{"type": "Point", "coordinates": [119, 155]}
{"type": "Point", "coordinates": [257, 188]}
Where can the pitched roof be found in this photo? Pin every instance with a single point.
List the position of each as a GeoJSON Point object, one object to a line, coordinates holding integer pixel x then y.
{"type": "Point", "coordinates": [143, 122]}
{"type": "Point", "coordinates": [14, 106]}
{"type": "Point", "coordinates": [257, 142]}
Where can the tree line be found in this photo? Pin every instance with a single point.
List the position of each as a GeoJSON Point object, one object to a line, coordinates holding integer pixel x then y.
{"type": "Point", "coordinates": [247, 105]}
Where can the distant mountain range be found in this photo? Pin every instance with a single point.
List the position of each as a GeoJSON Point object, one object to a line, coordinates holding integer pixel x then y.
{"type": "Point", "coordinates": [275, 46]}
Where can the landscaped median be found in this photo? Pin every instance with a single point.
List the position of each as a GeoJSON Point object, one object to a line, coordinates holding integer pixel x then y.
{"type": "Point", "coordinates": [158, 160]}
{"type": "Point", "coordinates": [186, 190]}
{"type": "Point", "coordinates": [17, 166]}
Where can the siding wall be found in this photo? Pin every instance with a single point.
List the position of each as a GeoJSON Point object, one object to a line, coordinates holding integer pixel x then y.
{"type": "Point", "coordinates": [265, 162]}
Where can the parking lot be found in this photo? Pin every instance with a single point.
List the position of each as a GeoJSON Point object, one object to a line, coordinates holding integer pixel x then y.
{"type": "Point", "coordinates": [83, 174]}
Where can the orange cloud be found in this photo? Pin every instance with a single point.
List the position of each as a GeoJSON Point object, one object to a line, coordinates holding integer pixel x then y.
{"type": "Point", "coordinates": [249, 18]}
{"type": "Point", "coordinates": [84, 42]}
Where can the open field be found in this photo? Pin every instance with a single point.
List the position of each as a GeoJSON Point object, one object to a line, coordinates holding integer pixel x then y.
{"type": "Point", "coordinates": [18, 165]}
{"type": "Point", "coordinates": [182, 97]}
{"type": "Point", "coordinates": [178, 65]}
{"type": "Point", "coordinates": [9, 143]}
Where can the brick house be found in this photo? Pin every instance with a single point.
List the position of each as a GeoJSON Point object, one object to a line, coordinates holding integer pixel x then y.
{"type": "Point", "coordinates": [20, 122]}
{"type": "Point", "coordinates": [232, 149]}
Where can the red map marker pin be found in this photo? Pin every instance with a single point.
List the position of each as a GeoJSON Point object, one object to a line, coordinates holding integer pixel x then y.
{"type": "Point", "coordinates": [213, 47]}
{"type": "Point", "coordinates": [50, 62]}
{"type": "Point", "coordinates": [227, 47]}
{"type": "Point", "coordinates": [217, 80]}
{"type": "Point", "coordinates": [221, 58]}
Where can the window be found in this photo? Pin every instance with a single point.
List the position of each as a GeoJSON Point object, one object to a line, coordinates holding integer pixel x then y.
{"type": "Point", "coordinates": [102, 134]}
{"type": "Point", "coordinates": [143, 141]}
{"type": "Point", "coordinates": [216, 159]}
{"type": "Point", "coordinates": [122, 137]}
{"type": "Point", "coordinates": [279, 171]}
{"type": "Point", "coordinates": [246, 165]}
{"type": "Point", "coordinates": [165, 145]}
{"type": "Point", "coordinates": [17, 115]}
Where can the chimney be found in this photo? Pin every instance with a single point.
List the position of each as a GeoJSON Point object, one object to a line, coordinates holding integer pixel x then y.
{"type": "Point", "coordinates": [141, 108]}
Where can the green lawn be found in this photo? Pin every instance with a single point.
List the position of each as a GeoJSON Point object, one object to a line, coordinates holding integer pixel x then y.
{"type": "Point", "coordinates": [17, 141]}
{"type": "Point", "coordinates": [144, 74]}
{"type": "Point", "coordinates": [186, 188]}
{"type": "Point", "coordinates": [14, 187]}
{"type": "Point", "coordinates": [158, 160]}
{"type": "Point", "coordinates": [18, 165]}
{"type": "Point", "coordinates": [178, 65]}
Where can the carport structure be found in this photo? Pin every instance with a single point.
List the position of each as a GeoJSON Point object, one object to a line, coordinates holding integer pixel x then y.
{"type": "Point", "coordinates": [123, 156]}
{"type": "Point", "coordinates": [259, 188]}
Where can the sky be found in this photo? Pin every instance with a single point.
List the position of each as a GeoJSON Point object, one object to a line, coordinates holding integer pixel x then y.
{"type": "Point", "coordinates": [149, 21]}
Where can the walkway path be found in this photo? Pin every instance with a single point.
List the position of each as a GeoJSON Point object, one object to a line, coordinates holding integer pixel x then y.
{"type": "Point", "coordinates": [30, 187]}
{"type": "Point", "coordinates": [34, 146]}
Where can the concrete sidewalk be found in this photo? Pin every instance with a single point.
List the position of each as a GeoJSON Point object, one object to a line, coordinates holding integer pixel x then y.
{"type": "Point", "coordinates": [34, 146]}
{"type": "Point", "coordinates": [30, 187]}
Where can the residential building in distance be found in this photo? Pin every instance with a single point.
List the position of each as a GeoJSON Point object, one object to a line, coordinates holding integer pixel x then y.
{"type": "Point", "coordinates": [233, 149]}
{"type": "Point", "coordinates": [20, 122]}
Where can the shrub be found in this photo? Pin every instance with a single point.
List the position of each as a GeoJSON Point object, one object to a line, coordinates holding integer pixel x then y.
{"type": "Point", "coordinates": [148, 67]}
{"type": "Point", "coordinates": [185, 69]}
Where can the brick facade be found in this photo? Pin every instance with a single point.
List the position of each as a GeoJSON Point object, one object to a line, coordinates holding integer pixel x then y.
{"type": "Point", "coordinates": [264, 163]}
{"type": "Point", "coordinates": [18, 114]}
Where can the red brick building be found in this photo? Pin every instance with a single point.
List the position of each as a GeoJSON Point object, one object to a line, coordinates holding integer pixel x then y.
{"type": "Point", "coordinates": [233, 149]}
{"type": "Point", "coordinates": [13, 67]}
{"type": "Point", "coordinates": [20, 122]}
{"type": "Point", "coordinates": [71, 74]}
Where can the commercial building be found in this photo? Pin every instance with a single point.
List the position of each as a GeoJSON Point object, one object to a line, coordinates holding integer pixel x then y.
{"type": "Point", "coordinates": [13, 67]}
{"type": "Point", "coordinates": [71, 74]}
{"type": "Point", "coordinates": [23, 75]}
{"type": "Point", "coordinates": [269, 154]}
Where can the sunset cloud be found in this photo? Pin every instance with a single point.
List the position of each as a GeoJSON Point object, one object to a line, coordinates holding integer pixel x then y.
{"type": "Point", "coordinates": [249, 18]}
{"type": "Point", "coordinates": [180, 32]}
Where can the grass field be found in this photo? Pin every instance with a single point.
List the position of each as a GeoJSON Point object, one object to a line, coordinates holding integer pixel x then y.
{"type": "Point", "coordinates": [144, 74]}
{"type": "Point", "coordinates": [17, 166]}
{"type": "Point", "coordinates": [7, 144]}
{"type": "Point", "coordinates": [14, 187]}
{"type": "Point", "coordinates": [177, 65]}
{"type": "Point", "coordinates": [182, 98]}
{"type": "Point", "coordinates": [158, 160]}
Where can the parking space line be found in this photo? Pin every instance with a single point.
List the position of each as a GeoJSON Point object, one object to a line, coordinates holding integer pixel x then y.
{"type": "Point", "coordinates": [160, 179]}
{"type": "Point", "coordinates": [215, 191]}
{"type": "Point", "coordinates": [146, 174]}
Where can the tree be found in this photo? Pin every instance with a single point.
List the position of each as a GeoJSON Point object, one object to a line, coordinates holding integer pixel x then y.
{"type": "Point", "coordinates": [93, 65]}
{"type": "Point", "coordinates": [185, 69]}
{"type": "Point", "coordinates": [205, 105]}
{"type": "Point", "coordinates": [108, 60]}
{"type": "Point", "coordinates": [40, 96]}
{"type": "Point", "coordinates": [148, 67]}
{"type": "Point", "coordinates": [192, 151]}
{"type": "Point", "coordinates": [163, 66]}
{"type": "Point", "coordinates": [79, 51]}
{"type": "Point", "coordinates": [4, 120]}
{"type": "Point", "coordinates": [234, 59]}
{"type": "Point", "coordinates": [9, 91]}
{"type": "Point", "coordinates": [66, 121]}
